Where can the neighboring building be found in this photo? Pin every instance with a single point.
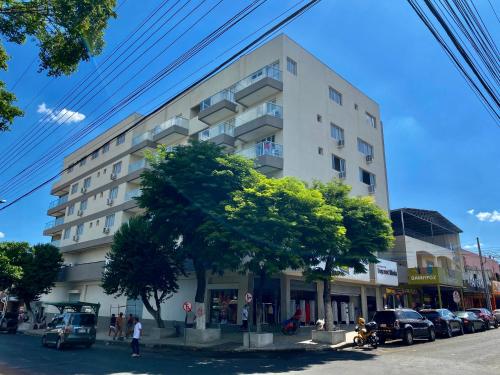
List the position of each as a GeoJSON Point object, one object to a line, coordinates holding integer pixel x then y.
{"type": "Point", "coordinates": [475, 292]}
{"type": "Point", "coordinates": [278, 105]}
{"type": "Point", "coordinates": [426, 250]}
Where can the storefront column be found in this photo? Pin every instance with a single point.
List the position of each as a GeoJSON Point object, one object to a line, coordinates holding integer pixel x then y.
{"type": "Point", "coordinates": [439, 297]}
{"type": "Point", "coordinates": [364, 303]}
{"type": "Point", "coordinates": [321, 305]}
{"type": "Point", "coordinates": [379, 298]}
{"type": "Point", "coordinates": [285, 297]}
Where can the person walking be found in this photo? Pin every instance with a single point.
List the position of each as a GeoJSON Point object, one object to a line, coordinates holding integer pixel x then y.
{"type": "Point", "coordinates": [244, 318]}
{"type": "Point", "coordinates": [136, 337]}
{"type": "Point", "coordinates": [112, 325]}
{"type": "Point", "coordinates": [119, 327]}
{"type": "Point", "coordinates": [190, 319]}
{"type": "Point", "coordinates": [130, 326]}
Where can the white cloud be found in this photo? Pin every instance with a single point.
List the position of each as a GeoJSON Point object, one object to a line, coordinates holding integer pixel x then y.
{"type": "Point", "coordinates": [2, 235]}
{"type": "Point", "coordinates": [407, 125]}
{"type": "Point", "coordinates": [492, 216]}
{"type": "Point", "coordinates": [471, 211]}
{"type": "Point", "coordinates": [63, 116]}
{"type": "Point", "coordinates": [473, 246]}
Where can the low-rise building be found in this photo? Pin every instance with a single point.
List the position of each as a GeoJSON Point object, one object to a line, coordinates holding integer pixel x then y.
{"type": "Point", "coordinates": [475, 285]}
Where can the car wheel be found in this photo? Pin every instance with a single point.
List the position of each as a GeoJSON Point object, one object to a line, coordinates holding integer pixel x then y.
{"type": "Point", "coordinates": [381, 340]}
{"type": "Point", "coordinates": [432, 334]}
{"type": "Point", "coordinates": [487, 325]}
{"type": "Point", "coordinates": [496, 325]}
{"type": "Point", "coordinates": [461, 331]}
{"type": "Point", "coordinates": [449, 331]}
{"type": "Point", "coordinates": [408, 337]}
{"type": "Point", "coordinates": [44, 341]}
{"type": "Point", "coordinates": [59, 344]}
{"type": "Point", "coordinates": [472, 328]}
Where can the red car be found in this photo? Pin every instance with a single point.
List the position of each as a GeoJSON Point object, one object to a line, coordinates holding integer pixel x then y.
{"type": "Point", "coordinates": [486, 316]}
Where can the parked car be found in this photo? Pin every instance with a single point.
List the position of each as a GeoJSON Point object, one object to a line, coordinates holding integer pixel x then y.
{"type": "Point", "coordinates": [71, 329]}
{"type": "Point", "coordinates": [497, 314]}
{"type": "Point", "coordinates": [486, 315]}
{"type": "Point", "coordinates": [405, 324]}
{"type": "Point", "coordinates": [445, 322]}
{"type": "Point", "coordinates": [8, 322]}
{"type": "Point", "coordinates": [470, 321]}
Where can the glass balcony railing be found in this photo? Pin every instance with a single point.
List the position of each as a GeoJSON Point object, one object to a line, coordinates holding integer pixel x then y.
{"type": "Point", "coordinates": [59, 201]}
{"type": "Point", "coordinates": [262, 149]}
{"type": "Point", "coordinates": [141, 137]}
{"type": "Point", "coordinates": [56, 243]}
{"type": "Point", "coordinates": [270, 71]}
{"type": "Point", "coordinates": [267, 108]}
{"type": "Point", "coordinates": [227, 94]}
{"type": "Point", "coordinates": [55, 223]}
{"type": "Point", "coordinates": [174, 121]}
{"type": "Point", "coordinates": [132, 194]}
{"type": "Point", "coordinates": [226, 127]}
{"type": "Point", "coordinates": [132, 167]}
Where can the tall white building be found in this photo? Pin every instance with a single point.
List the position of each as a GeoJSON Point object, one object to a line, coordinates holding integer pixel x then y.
{"type": "Point", "coordinates": [278, 105]}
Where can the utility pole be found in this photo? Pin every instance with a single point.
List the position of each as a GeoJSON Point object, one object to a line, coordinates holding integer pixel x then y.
{"type": "Point", "coordinates": [485, 281]}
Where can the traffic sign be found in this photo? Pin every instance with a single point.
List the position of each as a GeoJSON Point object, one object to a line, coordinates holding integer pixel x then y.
{"type": "Point", "coordinates": [187, 306]}
{"type": "Point", "coordinates": [456, 296]}
{"type": "Point", "coordinates": [248, 297]}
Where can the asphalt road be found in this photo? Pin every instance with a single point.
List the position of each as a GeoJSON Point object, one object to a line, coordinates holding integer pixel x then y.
{"type": "Point", "coordinates": [476, 354]}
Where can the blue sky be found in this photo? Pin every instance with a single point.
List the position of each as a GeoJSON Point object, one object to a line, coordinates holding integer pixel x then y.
{"type": "Point", "coordinates": [441, 145]}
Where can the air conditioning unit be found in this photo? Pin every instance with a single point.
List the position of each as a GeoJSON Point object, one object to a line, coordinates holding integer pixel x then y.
{"type": "Point", "coordinates": [80, 212]}
{"type": "Point", "coordinates": [83, 190]}
{"type": "Point", "coordinates": [342, 175]}
{"type": "Point", "coordinates": [105, 230]}
{"type": "Point", "coordinates": [76, 238]}
{"type": "Point", "coordinates": [340, 143]}
{"type": "Point", "coordinates": [109, 202]}
{"type": "Point", "coordinates": [369, 158]}
{"type": "Point", "coordinates": [113, 176]}
{"type": "Point", "coordinates": [371, 189]}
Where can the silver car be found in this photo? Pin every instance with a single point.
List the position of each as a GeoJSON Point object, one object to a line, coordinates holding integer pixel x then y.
{"type": "Point", "coordinates": [497, 314]}
{"type": "Point", "coordinates": [70, 329]}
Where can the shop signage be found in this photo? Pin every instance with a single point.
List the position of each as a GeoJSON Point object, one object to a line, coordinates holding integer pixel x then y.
{"type": "Point", "coordinates": [187, 306]}
{"type": "Point", "coordinates": [349, 274]}
{"type": "Point", "coordinates": [422, 278]}
{"type": "Point", "coordinates": [496, 286]}
{"type": "Point", "coordinates": [386, 272]}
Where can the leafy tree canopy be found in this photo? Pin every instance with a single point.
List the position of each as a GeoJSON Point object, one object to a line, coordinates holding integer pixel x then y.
{"type": "Point", "coordinates": [10, 273]}
{"type": "Point", "coordinates": [66, 32]}
{"type": "Point", "coordinates": [139, 266]}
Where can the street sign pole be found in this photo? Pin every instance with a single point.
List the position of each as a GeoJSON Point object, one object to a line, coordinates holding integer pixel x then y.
{"type": "Point", "coordinates": [485, 281]}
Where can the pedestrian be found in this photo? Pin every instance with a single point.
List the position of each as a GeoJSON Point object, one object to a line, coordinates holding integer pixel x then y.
{"type": "Point", "coordinates": [136, 337]}
{"type": "Point", "coordinates": [244, 318]}
{"type": "Point", "coordinates": [190, 319]}
{"type": "Point", "coordinates": [112, 325]}
{"type": "Point", "coordinates": [119, 326]}
{"type": "Point", "coordinates": [130, 326]}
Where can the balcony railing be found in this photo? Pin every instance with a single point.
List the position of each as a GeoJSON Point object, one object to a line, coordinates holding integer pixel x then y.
{"type": "Point", "coordinates": [141, 137]}
{"type": "Point", "coordinates": [132, 194]}
{"type": "Point", "coordinates": [132, 167]}
{"type": "Point", "coordinates": [269, 71]}
{"type": "Point", "coordinates": [227, 94]}
{"type": "Point", "coordinates": [58, 202]}
{"type": "Point", "coordinates": [268, 108]}
{"type": "Point", "coordinates": [262, 149]}
{"type": "Point", "coordinates": [174, 121]}
{"type": "Point", "coordinates": [226, 127]}
{"type": "Point", "coordinates": [55, 223]}
{"type": "Point", "coordinates": [56, 243]}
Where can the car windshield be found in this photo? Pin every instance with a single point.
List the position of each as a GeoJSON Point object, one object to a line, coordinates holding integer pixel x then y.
{"type": "Point", "coordinates": [430, 314]}
{"type": "Point", "coordinates": [462, 314]}
{"type": "Point", "coordinates": [83, 320]}
{"type": "Point", "coordinates": [477, 311]}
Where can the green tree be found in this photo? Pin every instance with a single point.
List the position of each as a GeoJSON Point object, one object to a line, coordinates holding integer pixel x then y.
{"type": "Point", "coordinates": [140, 266]}
{"type": "Point", "coordinates": [40, 266]}
{"type": "Point", "coordinates": [65, 31]}
{"type": "Point", "coordinates": [368, 231]}
{"type": "Point", "coordinates": [9, 273]}
{"type": "Point", "coordinates": [185, 193]}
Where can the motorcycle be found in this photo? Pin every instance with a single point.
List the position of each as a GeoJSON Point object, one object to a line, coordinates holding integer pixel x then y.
{"type": "Point", "coordinates": [366, 334]}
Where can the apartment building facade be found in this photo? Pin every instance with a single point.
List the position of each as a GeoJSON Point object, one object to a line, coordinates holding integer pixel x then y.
{"type": "Point", "coordinates": [278, 105]}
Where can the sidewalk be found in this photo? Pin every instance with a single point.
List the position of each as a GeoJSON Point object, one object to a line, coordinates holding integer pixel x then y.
{"type": "Point", "coordinates": [229, 342]}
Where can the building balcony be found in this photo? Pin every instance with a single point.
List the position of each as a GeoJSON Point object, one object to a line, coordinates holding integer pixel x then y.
{"type": "Point", "coordinates": [146, 136]}
{"type": "Point", "coordinates": [172, 130]}
{"type": "Point", "coordinates": [268, 156]}
{"type": "Point", "coordinates": [217, 107]}
{"type": "Point", "coordinates": [56, 243]}
{"type": "Point", "coordinates": [434, 276]}
{"type": "Point", "coordinates": [54, 223]}
{"type": "Point", "coordinates": [221, 134]}
{"type": "Point", "coordinates": [56, 206]}
{"type": "Point", "coordinates": [258, 86]}
{"type": "Point", "coordinates": [129, 195]}
{"type": "Point", "coordinates": [81, 272]}
{"type": "Point", "coordinates": [258, 122]}
{"type": "Point", "coordinates": [139, 164]}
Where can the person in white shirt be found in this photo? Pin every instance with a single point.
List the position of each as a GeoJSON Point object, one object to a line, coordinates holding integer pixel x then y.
{"type": "Point", "coordinates": [136, 336]}
{"type": "Point", "coordinates": [244, 318]}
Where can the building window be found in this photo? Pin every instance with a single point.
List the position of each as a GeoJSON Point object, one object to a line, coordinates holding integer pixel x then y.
{"type": "Point", "coordinates": [79, 229]}
{"type": "Point", "coordinates": [74, 188]}
{"type": "Point", "coordinates": [319, 118]}
{"type": "Point", "coordinates": [98, 173]}
{"type": "Point", "coordinates": [117, 168]}
{"type": "Point", "coordinates": [335, 95]}
{"type": "Point", "coordinates": [120, 139]}
{"type": "Point", "coordinates": [83, 205]}
{"type": "Point", "coordinates": [95, 154]}
{"type": "Point", "coordinates": [97, 223]}
{"type": "Point", "coordinates": [90, 225]}
{"type": "Point", "coordinates": [224, 306]}
{"type": "Point", "coordinates": [71, 209]}
{"type": "Point", "coordinates": [67, 233]}
{"type": "Point", "coordinates": [371, 120]}
{"type": "Point", "coordinates": [365, 148]}
{"type": "Point", "coordinates": [82, 162]}
{"type": "Point", "coordinates": [291, 66]}
{"type": "Point", "coordinates": [105, 148]}
{"type": "Point", "coordinates": [338, 164]}
{"type": "Point", "coordinates": [366, 177]}
{"type": "Point", "coordinates": [320, 150]}
{"type": "Point", "coordinates": [104, 171]}
{"type": "Point", "coordinates": [355, 107]}
{"type": "Point", "coordinates": [110, 221]}
{"type": "Point", "coordinates": [86, 182]}
{"type": "Point", "coordinates": [336, 132]}
{"type": "Point", "coordinates": [113, 193]}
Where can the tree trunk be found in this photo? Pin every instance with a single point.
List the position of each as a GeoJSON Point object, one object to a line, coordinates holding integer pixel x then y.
{"type": "Point", "coordinates": [156, 314]}
{"type": "Point", "coordinates": [258, 301]}
{"type": "Point", "coordinates": [201, 283]}
{"type": "Point", "coordinates": [31, 315]}
{"type": "Point", "coordinates": [327, 302]}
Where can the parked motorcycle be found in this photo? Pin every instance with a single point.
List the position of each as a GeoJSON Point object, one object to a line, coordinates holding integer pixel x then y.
{"type": "Point", "coordinates": [366, 334]}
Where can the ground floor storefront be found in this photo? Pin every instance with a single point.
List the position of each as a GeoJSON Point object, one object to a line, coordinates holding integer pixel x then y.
{"type": "Point", "coordinates": [425, 296]}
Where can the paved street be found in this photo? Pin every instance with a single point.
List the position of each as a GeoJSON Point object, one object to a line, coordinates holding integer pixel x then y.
{"type": "Point", "coordinates": [470, 354]}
